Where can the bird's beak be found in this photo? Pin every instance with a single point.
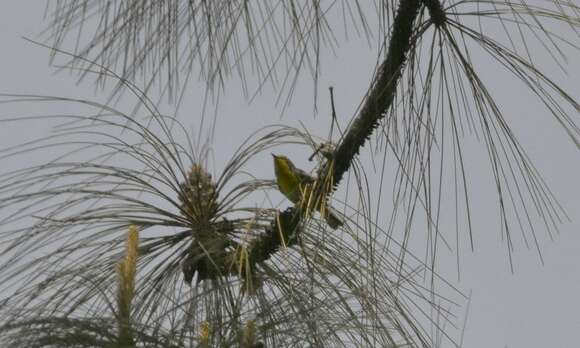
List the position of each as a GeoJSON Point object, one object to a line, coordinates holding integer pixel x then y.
{"type": "Point", "coordinates": [274, 155]}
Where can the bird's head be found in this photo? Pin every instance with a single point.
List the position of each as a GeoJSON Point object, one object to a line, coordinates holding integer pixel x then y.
{"type": "Point", "coordinates": [281, 162]}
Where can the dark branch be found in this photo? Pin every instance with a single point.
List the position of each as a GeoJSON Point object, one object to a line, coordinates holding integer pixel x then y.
{"type": "Point", "coordinates": [284, 231]}
{"type": "Point", "coordinates": [381, 93]}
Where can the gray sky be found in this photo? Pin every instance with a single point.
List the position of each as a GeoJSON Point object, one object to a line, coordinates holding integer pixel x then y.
{"type": "Point", "coordinates": [535, 307]}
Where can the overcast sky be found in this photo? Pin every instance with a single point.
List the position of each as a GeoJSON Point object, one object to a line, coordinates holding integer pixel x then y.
{"type": "Point", "coordinates": [537, 306]}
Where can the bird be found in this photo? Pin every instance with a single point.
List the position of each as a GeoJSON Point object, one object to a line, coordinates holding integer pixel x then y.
{"type": "Point", "coordinates": [296, 185]}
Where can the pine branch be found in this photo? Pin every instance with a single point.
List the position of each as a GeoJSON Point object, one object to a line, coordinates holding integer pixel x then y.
{"type": "Point", "coordinates": [379, 99]}
{"type": "Point", "coordinates": [381, 93]}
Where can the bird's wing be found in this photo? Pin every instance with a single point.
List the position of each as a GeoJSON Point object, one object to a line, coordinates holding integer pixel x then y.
{"type": "Point", "coordinates": [304, 177]}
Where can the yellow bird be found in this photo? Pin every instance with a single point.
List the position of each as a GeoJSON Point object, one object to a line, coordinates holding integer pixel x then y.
{"type": "Point", "coordinates": [296, 185]}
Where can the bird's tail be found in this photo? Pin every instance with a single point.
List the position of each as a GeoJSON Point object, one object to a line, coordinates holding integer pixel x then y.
{"type": "Point", "coordinates": [332, 219]}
